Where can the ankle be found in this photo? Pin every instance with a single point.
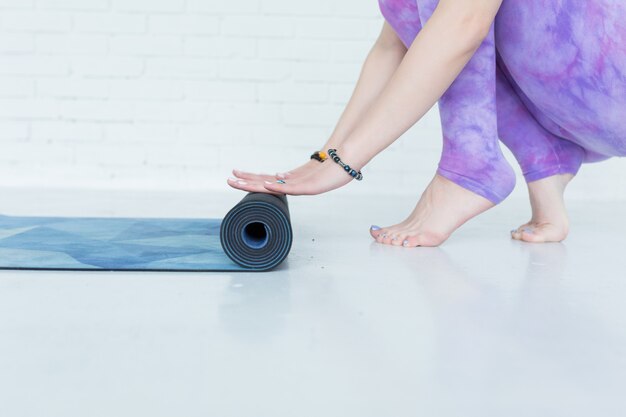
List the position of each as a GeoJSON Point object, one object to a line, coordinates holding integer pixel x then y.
{"type": "Point", "coordinates": [495, 187]}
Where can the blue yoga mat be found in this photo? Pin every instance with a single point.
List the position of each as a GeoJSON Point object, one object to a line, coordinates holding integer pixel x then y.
{"type": "Point", "coordinates": [255, 235]}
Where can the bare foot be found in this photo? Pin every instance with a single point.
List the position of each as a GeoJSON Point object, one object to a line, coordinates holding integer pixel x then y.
{"type": "Point", "coordinates": [549, 222]}
{"type": "Point", "coordinates": [443, 207]}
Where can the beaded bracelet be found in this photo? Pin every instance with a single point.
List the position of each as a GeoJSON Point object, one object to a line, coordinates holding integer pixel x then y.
{"type": "Point", "coordinates": [320, 156]}
{"type": "Point", "coordinates": [355, 174]}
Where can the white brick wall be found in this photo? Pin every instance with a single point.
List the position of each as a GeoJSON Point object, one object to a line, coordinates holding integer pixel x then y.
{"type": "Point", "coordinates": [175, 93]}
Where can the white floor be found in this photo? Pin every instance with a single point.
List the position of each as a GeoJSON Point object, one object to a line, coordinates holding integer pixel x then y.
{"type": "Point", "coordinates": [480, 326]}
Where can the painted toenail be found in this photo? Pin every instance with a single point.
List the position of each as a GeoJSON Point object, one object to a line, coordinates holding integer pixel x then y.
{"type": "Point", "coordinates": [405, 243]}
{"type": "Point", "coordinates": [527, 230]}
{"type": "Point", "coordinates": [373, 227]}
{"type": "Point", "coordinates": [384, 235]}
{"type": "Point", "coordinates": [513, 230]}
{"type": "Point", "coordinates": [280, 182]}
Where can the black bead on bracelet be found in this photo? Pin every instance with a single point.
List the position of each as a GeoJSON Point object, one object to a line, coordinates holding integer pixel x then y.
{"type": "Point", "coordinates": [332, 153]}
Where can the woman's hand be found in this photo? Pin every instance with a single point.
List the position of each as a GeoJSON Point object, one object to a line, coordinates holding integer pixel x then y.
{"type": "Point", "coordinates": [248, 181]}
{"type": "Point", "coordinates": [253, 186]}
{"type": "Point", "coordinates": [304, 168]}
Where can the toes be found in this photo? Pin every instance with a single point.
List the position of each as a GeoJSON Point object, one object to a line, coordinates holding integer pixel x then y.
{"type": "Point", "coordinates": [517, 233]}
{"type": "Point", "coordinates": [375, 231]}
{"type": "Point", "coordinates": [425, 238]}
{"type": "Point", "coordinates": [539, 234]}
{"type": "Point", "coordinates": [411, 241]}
{"type": "Point", "coordinates": [386, 236]}
{"type": "Point", "coordinates": [398, 239]}
{"type": "Point", "coordinates": [387, 233]}
{"type": "Point", "coordinates": [531, 235]}
{"type": "Point", "coordinates": [544, 233]}
{"type": "Point", "coordinates": [408, 238]}
{"type": "Point", "coordinates": [382, 236]}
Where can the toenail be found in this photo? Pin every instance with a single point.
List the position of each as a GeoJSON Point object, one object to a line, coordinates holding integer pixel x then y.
{"type": "Point", "coordinates": [373, 227]}
{"type": "Point", "coordinates": [405, 243]}
{"type": "Point", "coordinates": [280, 182]}
{"type": "Point", "coordinates": [384, 235]}
{"type": "Point", "coordinates": [513, 230]}
{"type": "Point", "coordinates": [527, 230]}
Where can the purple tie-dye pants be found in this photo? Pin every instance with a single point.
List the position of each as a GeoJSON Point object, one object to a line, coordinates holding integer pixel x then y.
{"type": "Point", "coordinates": [549, 81]}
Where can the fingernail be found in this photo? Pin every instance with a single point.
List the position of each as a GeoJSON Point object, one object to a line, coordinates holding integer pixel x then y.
{"type": "Point", "coordinates": [406, 242]}
{"type": "Point", "coordinates": [374, 227]}
{"type": "Point", "coordinates": [241, 182]}
{"type": "Point", "coordinates": [232, 179]}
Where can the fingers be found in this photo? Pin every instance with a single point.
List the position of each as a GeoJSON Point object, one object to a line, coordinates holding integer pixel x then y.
{"type": "Point", "coordinates": [253, 187]}
{"type": "Point", "coordinates": [287, 188]}
{"type": "Point", "coordinates": [283, 175]}
{"type": "Point", "coordinates": [253, 177]}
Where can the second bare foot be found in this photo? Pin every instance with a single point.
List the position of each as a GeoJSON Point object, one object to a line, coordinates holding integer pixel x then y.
{"type": "Point", "coordinates": [549, 222]}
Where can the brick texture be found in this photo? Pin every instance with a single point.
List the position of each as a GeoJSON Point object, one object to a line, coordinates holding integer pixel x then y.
{"type": "Point", "coordinates": [172, 94]}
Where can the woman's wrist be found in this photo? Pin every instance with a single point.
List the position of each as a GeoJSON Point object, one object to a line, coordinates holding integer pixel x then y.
{"type": "Point", "coordinates": [347, 151]}
{"type": "Point", "coordinates": [350, 170]}
{"type": "Point", "coordinates": [349, 156]}
{"type": "Point", "coordinates": [332, 143]}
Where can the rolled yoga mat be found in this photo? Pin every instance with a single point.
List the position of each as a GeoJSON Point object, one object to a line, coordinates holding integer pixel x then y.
{"type": "Point", "coordinates": [255, 235]}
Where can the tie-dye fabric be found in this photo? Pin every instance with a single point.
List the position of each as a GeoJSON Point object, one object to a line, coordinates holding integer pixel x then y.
{"type": "Point", "coordinates": [549, 81]}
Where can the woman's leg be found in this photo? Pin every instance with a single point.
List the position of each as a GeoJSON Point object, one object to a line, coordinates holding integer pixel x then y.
{"type": "Point", "coordinates": [473, 174]}
{"type": "Point", "coordinates": [471, 155]}
{"type": "Point", "coordinates": [561, 97]}
{"type": "Point", "coordinates": [548, 163]}
{"type": "Point", "coordinates": [539, 152]}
